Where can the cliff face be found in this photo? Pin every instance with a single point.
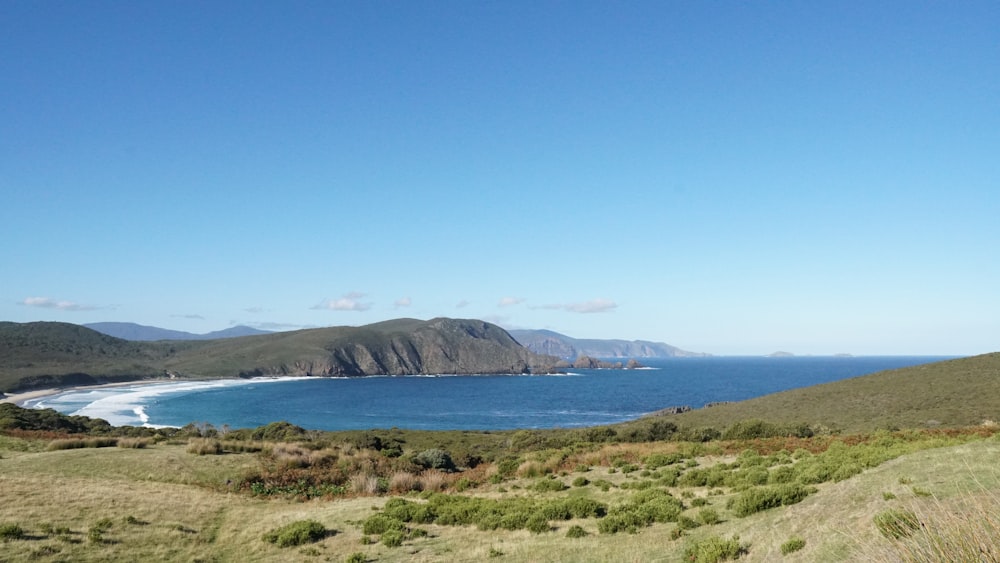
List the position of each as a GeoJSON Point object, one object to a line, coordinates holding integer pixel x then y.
{"type": "Point", "coordinates": [438, 346]}
{"type": "Point", "coordinates": [400, 347]}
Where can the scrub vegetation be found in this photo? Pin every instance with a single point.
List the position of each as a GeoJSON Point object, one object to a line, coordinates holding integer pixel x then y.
{"type": "Point", "coordinates": [654, 489]}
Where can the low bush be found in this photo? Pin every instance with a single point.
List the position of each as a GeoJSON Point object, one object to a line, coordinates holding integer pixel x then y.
{"type": "Point", "coordinates": [537, 523]}
{"type": "Point", "coordinates": [575, 532]}
{"type": "Point", "coordinates": [792, 545]}
{"type": "Point", "coordinates": [435, 459]}
{"type": "Point", "coordinates": [758, 499]}
{"type": "Point", "coordinates": [686, 523]}
{"type": "Point", "coordinates": [709, 517]}
{"type": "Point", "coordinates": [393, 538]}
{"type": "Point", "coordinates": [511, 513]}
{"type": "Point", "coordinates": [658, 460]}
{"type": "Point", "coordinates": [11, 532]}
{"type": "Point", "coordinates": [549, 486]}
{"type": "Point", "coordinates": [381, 523]}
{"type": "Point", "coordinates": [643, 509]}
{"type": "Point", "coordinates": [356, 557]}
{"type": "Point", "coordinates": [296, 533]}
{"type": "Point", "coordinates": [713, 549]}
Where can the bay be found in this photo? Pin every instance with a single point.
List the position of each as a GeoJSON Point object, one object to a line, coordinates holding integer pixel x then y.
{"type": "Point", "coordinates": [479, 402]}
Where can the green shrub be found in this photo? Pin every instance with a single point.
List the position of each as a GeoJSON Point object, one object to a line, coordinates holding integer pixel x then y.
{"type": "Point", "coordinates": [507, 467]}
{"type": "Point", "coordinates": [708, 516]}
{"type": "Point", "coordinates": [393, 538]}
{"type": "Point", "coordinates": [751, 429]}
{"type": "Point", "coordinates": [644, 508]}
{"type": "Point", "coordinates": [380, 524]}
{"type": "Point", "coordinates": [11, 532]}
{"type": "Point", "coordinates": [896, 523]}
{"type": "Point", "coordinates": [435, 459]}
{"type": "Point", "coordinates": [296, 533]}
{"type": "Point", "coordinates": [686, 523]}
{"type": "Point", "coordinates": [581, 482]}
{"type": "Point", "coordinates": [549, 486]}
{"type": "Point", "coordinates": [713, 549]}
{"type": "Point", "coordinates": [356, 557]}
{"type": "Point", "coordinates": [757, 499]}
{"type": "Point", "coordinates": [575, 532]}
{"type": "Point", "coordinates": [582, 507]}
{"type": "Point", "coordinates": [620, 522]}
{"type": "Point", "coordinates": [537, 524]}
{"type": "Point", "coordinates": [792, 545]}
{"type": "Point", "coordinates": [657, 460]}
{"type": "Point", "coordinates": [888, 496]}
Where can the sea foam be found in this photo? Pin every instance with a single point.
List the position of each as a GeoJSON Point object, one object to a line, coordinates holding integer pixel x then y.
{"type": "Point", "coordinates": [129, 405]}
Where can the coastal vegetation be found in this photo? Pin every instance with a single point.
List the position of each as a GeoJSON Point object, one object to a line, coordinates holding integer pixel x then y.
{"type": "Point", "coordinates": [673, 488]}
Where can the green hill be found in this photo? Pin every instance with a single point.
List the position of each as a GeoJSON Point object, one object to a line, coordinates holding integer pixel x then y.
{"type": "Point", "coordinates": [49, 354]}
{"type": "Point", "coordinates": [959, 392]}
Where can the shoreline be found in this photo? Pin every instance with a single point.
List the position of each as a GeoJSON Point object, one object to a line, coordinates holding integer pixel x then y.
{"type": "Point", "coordinates": [20, 399]}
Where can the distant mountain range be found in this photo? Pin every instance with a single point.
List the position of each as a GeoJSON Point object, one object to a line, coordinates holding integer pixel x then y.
{"type": "Point", "coordinates": [143, 333]}
{"type": "Point", "coordinates": [554, 344]}
{"type": "Point", "coordinates": [545, 342]}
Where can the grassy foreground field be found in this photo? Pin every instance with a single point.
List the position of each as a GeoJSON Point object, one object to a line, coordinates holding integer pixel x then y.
{"type": "Point", "coordinates": [660, 500]}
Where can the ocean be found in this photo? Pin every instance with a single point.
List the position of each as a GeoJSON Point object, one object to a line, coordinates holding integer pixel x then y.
{"type": "Point", "coordinates": [474, 402]}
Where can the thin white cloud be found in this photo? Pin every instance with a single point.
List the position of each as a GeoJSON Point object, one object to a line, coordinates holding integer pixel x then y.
{"type": "Point", "coordinates": [498, 320]}
{"type": "Point", "coordinates": [403, 302]}
{"type": "Point", "coordinates": [509, 301]}
{"type": "Point", "coordinates": [195, 317]}
{"type": "Point", "coordinates": [276, 327]}
{"type": "Point", "coordinates": [592, 306]}
{"type": "Point", "coordinates": [462, 304]}
{"type": "Point", "coordinates": [349, 302]}
{"type": "Point", "coordinates": [46, 303]}
{"type": "Point", "coordinates": [254, 310]}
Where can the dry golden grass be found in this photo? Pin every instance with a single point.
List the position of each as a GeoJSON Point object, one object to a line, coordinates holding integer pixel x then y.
{"type": "Point", "coordinates": [168, 505]}
{"type": "Point", "coordinates": [404, 482]}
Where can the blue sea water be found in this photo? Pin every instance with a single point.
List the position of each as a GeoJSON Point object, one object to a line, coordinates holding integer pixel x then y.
{"type": "Point", "coordinates": [480, 402]}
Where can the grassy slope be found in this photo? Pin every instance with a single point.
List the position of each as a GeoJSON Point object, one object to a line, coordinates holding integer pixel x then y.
{"type": "Point", "coordinates": [958, 392]}
{"type": "Point", "coordinates": [185, 512]}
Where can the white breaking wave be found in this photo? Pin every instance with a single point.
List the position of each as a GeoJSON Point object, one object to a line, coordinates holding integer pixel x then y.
{"type": "Point", "coordinates": [127, 405]}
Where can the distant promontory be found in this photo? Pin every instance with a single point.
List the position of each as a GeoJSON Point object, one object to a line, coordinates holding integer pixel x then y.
{"type": "Point", "coordinates": [554, 344]}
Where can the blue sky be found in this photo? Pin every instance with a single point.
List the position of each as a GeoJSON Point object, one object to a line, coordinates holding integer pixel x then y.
{"type": "Point", "coordinates": [727, 177]}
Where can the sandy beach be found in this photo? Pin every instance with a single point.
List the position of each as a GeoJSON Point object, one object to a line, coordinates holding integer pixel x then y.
{"type": "Point", "coordinates": [20, 399]}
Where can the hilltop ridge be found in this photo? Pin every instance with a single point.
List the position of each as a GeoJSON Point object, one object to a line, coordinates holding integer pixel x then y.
{"type": "Point", "coordinates": [138, 332]}
{"type": "Point", "coordinates": [47, 354]}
